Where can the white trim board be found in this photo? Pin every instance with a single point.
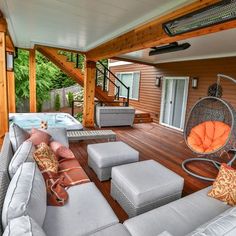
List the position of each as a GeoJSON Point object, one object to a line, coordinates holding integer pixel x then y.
{"type": "Point", "coordinates": [184, 108]}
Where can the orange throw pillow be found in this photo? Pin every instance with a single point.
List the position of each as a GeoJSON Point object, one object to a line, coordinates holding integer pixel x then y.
{"type": "Point", "coordinates": [224, 187]}
{"type": "Point", "coordinates": [46, 159]}
{"type": "Point", "coordinates": [208, 136]}
{"type": "Point", "coordinates": [38, 136]}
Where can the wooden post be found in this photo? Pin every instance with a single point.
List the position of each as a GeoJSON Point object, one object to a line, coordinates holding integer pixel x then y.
{"type": "Point", "coordinates": [4, 120]}
{"type": "Point", "coordinates": [11, 91]}
{"type": "Point", "coordinates": [32, 81]}
{"type": "Point", "coordinates": [89, 94]}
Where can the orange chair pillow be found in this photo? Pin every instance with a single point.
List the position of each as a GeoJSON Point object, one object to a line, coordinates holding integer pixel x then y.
{"type": "Point", "coordinates": [208, 136]}
{"type": "Point", "coordinates": [224, 187]}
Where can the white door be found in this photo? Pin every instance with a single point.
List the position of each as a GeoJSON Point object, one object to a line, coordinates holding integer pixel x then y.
{"type": "Point", "coordinates": [174, 101]}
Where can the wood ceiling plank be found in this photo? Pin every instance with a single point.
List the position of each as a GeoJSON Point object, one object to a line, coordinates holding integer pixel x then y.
{"type": "Point", "coordinates": [152, 34]}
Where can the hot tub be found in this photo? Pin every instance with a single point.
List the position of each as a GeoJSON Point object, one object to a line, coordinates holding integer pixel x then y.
{"type": "Point", "coordinates": [33, 120]}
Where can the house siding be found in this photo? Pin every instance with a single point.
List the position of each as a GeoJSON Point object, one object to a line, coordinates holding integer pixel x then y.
{"type": "Point", "coordinates": [206, 70]}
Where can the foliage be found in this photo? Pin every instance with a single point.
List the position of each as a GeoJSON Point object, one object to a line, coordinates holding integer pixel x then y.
{"type": "Point", "coordinates": [48, 77]}
{"type": "Point", "coordinates": [70, 98]}
{"type": "Point", "coordinates": [79, 116]}
{"type": "Point", "coordinates": [57, 102]}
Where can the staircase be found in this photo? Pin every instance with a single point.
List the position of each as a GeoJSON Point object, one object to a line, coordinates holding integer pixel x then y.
{"type": "Point", "coordinates": [72, 70]}
{"type": "Point", "coordinates": [142, 117]}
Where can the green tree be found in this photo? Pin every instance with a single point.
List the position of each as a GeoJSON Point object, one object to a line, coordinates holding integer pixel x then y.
{"type": "Point", "coordinates": [48, 77]}
{"type": "Point", "coordinates": [57, 102]}
{"type": "Point", "coordinates": [70, 98]}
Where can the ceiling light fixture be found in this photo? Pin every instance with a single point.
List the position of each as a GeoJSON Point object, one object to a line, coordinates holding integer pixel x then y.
{"type": "Point", "coordinates": [172, 47]}
{"type": "Point", "coordinates": [211, 15]}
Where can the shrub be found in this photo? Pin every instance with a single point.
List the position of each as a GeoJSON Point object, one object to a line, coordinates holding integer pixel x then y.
{"type": "Point", "coordinates": [79, 116]}
{"type": "Point", "coordinates": [70, 98]}
{"type": "Point", "coordinates": [57, 103]}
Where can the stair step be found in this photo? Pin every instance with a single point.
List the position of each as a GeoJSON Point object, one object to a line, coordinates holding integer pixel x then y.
{"type": "Point", "coordinates": [142, 115]}
{"type": "Point", "coordinates": [143, 120]}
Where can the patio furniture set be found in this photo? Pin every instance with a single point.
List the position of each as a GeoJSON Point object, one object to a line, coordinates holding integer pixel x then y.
{"type": "Point", "coordinates": [146, 190]}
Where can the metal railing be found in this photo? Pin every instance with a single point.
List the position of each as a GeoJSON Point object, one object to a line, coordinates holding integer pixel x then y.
{"type": "Point", "coordinates": [102, 76]}
{"type": "Point", "coordinates": [105, 77]}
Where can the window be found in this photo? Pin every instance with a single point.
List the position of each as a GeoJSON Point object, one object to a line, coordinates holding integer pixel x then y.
{"type": "Point", "coordinates": [131, 80]}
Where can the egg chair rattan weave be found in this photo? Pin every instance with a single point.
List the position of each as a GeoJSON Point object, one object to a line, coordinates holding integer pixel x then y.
{"type": "Point", "coordinates": [212, 108]}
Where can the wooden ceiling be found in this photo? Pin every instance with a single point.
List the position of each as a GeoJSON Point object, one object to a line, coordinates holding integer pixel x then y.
{"type": "Point", "coordinates": [145, 35]}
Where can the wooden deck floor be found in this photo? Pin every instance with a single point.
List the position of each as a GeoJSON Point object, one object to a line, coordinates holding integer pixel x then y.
{"type": "Point", "coordinates": [153, 142]}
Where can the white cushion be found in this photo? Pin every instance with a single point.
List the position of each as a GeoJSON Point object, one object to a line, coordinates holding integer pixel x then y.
{"type": "Point", "coordinates": [17, 136]}
{"type": "Point", "coordinates": [146, 181]}
{"type": "Point", "coordinates": [86, 212]}
{"type": "Point", "coordinates": [23, 154]}
{"type": "Point", "coordinates": [114, 230]}
{"type": "Point", "coordinates": [58, 135]}
{"type": "Point", "coordinates": [179, 217]}
{"type": "Point", "coordinates": [23, 225]}
{"type": "Point", "coordinates": [165, 233]}
{"type": "Point", "coordinates": [222, 225]}
{"type": "Point", "coordinates": [112, 154]}
{"type": "Point", "coordinates": [26, 195]}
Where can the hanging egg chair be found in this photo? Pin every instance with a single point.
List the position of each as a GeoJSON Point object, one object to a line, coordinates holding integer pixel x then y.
{"type": "Point", "coordinates": [210, 129]}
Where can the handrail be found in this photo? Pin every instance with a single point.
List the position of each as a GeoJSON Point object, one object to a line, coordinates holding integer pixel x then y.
{"type": "Point", "coordinates": [118, 92]}
{"type": "Point", "coordinates": [117, 95]}
{"type": "Point", "coordinates": [113, 74]}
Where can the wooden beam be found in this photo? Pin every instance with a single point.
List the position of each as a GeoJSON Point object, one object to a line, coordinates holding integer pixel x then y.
{"type": "Point", "coordinates": [152, 34]}
{"type": "Point", "coordinates": [3, 25]}
{"type": "Point", "coordinates": [4, 120]}
{"type": "Point", "coordinates": [57, 48]}
{"type": "Point", "coordinates": [89, 94]}
{"type": "Point", "coordinates": [11, 91]}
{"type": "Point", "coordinates": [9, 43]}
{"type": "Point", "coordinates": [133, 61]}
{"type": "Point", "coordinates": [32, 81]}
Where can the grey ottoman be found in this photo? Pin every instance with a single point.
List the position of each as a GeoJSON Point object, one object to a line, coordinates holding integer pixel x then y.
{"type": "Point", "coordinates": [143, 186]}
{"type": "Point", "coordinates": [103, 156]}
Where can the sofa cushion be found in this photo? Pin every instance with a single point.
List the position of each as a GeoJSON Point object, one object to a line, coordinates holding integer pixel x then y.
{"type": "Point", "coordinates": [222, 225]}
{"type": "Point", "coordinates": [86, 212]}
{"type": "Point", "coordinates": [112, 154]}
{"type": "Point", "coordinates": [179, 217]}
{"type": "Point", "coordinates": [61, 151]}
{"type": "Point", "coordinates": [39, 136]}
{"type": "Point", "coordinates": [6, 153]}
{"type": "Point", "coordinates": [114, 230]}
{"type": "Point", "coordinates": [146, 182]}
{"type": "Point", "coordinates": [4, 182]}
{"type": "Point", "coordinates": [26, 195]}
{"type": "Point", "coordinates": [17, 136]}
{"type": "Point", "coordinates": [59, 135]}
{"type": "Point", "coordinates": [224, 187]}
{"type": "Point", "coordinates": [23, 225]}
{"type": "Point", "coordinates": [165, 233]}
{"type": "Point", "coordinates": [23, 154]}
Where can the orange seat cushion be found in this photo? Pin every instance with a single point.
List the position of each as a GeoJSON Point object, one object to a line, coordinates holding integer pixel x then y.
{"type": "Point", "coordinates": [208, 136]}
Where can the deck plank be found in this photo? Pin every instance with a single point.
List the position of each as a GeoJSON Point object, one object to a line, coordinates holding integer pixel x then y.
{"type": "Point", "coordinates": [155, 142]}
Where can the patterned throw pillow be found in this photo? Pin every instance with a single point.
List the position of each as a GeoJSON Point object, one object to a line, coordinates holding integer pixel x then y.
{"type": "Point", "coordinates": [46, 159]}
{"type": "Point", "coordinates": [61, 151]}
{"type": "Point", "coordinates": [38, 136]}
{"type": "Point", "coordinates": [224, 187]}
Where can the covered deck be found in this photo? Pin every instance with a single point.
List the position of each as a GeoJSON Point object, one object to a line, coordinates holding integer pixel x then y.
{"type": "Point", "coordinates": [155, 142]}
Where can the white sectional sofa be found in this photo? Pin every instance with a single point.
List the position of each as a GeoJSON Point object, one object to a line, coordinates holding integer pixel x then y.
{"type": "Point", "coordinates": [88, 213]}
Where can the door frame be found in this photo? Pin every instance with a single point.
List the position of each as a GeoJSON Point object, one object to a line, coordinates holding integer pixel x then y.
{"type": "Point", "coordinates": [184, 108]}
